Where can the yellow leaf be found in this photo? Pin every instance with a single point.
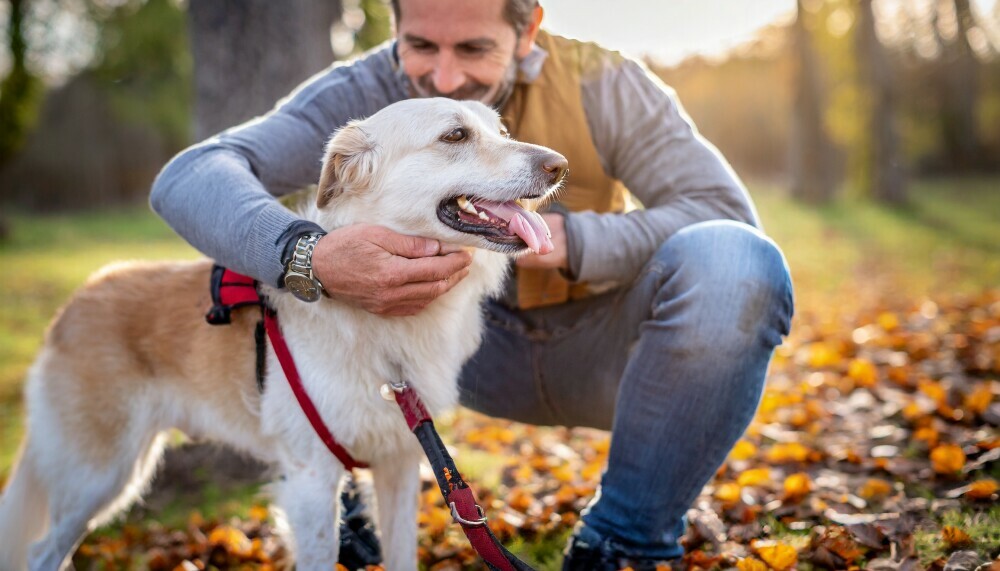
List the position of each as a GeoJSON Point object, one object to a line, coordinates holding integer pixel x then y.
{"type": "Point", "coordinates": [797, 485]}
{"type": "Point", "coordinates": [822, 355]}
{"type": "Point", "coordinates": [231, 539]}
{"type": "Point", "coordinates": [888, 321]}
{"type": "Point", "coordinates": [787, 452]}
{"type": "Point", "coordinates": [563, 474]}
{"type": "Point", "coordinates": [933, 390]}
{"type": "Point", "coordinates": [743, 451]}
{"type": "Point", "coordinates": [954, 537]}
{"type": "Point", "coordinates": [982, 489]}
{"type": "Point", "coordinates": [979, 399]}
{"type": "Point", "coordinates": [875, 488]}
{"type": "Point", "coordinates": [751, 564]}
{"type": "Point", "coordinates": [728, 493]}
{"type": "Point", "coordinates": [258, 513]}
{"type": "Point", "coordinates": [863, 372]}
{"type": "Point", "coordinates": [947, 458]}
{"type": "Point", "coordinates": [754, 477]}
{"type": "Point", "coordinates": [777, 555]}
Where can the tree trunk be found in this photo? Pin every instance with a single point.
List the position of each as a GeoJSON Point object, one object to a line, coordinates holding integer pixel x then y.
{"type": "Point", "coordinates": [250, 53]}
{"type": "Point", "coordinates": [886, 177]}
{"type": "Point", "coordinates": [960, 69]}
{"type": "Point", "coordinates": [812, 160]}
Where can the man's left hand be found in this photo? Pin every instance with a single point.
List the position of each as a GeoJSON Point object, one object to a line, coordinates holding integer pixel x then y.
{"type": "Point", "coordinates": [558, 257]}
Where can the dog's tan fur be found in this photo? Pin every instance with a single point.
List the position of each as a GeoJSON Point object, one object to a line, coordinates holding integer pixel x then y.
{"type": "Point", "coordinates": [131, 355]}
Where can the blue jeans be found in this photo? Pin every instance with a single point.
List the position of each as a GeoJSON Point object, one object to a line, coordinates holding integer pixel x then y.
{"type": "Point", "coordinates": [673, 364]}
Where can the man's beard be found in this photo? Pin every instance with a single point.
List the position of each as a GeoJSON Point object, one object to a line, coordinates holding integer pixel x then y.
{"type": "Point", "coordinates": [493, 95]}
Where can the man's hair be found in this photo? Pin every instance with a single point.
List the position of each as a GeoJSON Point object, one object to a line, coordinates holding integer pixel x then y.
{"type": "Point", "coordinates": [516, 12]}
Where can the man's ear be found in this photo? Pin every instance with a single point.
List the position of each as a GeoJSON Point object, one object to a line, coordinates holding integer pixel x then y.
{"type": "Point", "coordinates": [348, 164]}
{"type": "Point", "coordinates": [530, 32]}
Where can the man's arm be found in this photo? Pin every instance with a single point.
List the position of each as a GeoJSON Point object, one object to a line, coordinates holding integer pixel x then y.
{"type": "Point", "coordinates": [644, 139]}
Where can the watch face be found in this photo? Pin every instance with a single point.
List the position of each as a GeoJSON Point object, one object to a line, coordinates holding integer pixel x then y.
{"type": "Point", "coordinates": [302, 287]}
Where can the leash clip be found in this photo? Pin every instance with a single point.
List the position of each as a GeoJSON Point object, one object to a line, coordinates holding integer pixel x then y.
{"type": "Point", "coordinates": [474, 523]}
{"type": "Point", "coordinates": [388, 389]}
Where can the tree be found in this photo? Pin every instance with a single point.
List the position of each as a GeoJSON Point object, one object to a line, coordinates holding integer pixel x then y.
{"type": "Point", "coordinates": [249, 53]}
{"type": "Point", "coordinates": [959, 69]}
{"type": "Point", "coordinates": [886, 179]}
{"type": "Point", "coordinates": [20, 91]}
{"type": "Point", "coordinates": [812, 153]}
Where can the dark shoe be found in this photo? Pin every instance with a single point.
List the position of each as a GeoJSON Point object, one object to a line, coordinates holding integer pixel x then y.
{"type": "Point", "coordinates": [588, 552]}
{"type": "Point", "coordinates": [359, 546]}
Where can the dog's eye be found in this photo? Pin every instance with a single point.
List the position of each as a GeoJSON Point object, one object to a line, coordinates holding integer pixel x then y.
{"type": "Point", "coordinates": [455, 135]}
{"type": "Point", "coordinates": [504, 132]}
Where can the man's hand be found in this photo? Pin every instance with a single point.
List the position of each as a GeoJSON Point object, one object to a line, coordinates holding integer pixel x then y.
{"type": "Point", "coordinates": [557, 258]}
{"type": "Point", "coordinates": [384, 272]}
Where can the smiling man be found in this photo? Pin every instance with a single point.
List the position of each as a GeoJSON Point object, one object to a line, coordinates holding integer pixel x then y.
{"type": "Point", "coordinates": [656, 323]}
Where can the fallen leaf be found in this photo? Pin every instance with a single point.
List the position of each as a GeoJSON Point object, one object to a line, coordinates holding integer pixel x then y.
{"type": "Point", "coordinates": [947, 458]}
{"type": "Point", "coordinates": [982, 489]}
{"type": "Point", "coordinates": [754, 477]}
{"type": "Point", "coordinates": [955, 538]}
{"type": "Point", "coordinates": [778, 556]}
{"type": "Point", "coordinates": [751, 564]}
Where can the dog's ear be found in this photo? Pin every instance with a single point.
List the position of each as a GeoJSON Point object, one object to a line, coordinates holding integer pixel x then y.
{"type": "Point", "coordinates": [348, 164]}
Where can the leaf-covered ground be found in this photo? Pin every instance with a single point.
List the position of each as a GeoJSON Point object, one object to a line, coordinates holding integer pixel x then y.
{"type": "Point", "coordinates": [875, 447]}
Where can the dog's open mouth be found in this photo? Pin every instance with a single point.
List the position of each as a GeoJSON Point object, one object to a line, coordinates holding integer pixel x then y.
{"type": "Point", "coordinates": [505, 223]}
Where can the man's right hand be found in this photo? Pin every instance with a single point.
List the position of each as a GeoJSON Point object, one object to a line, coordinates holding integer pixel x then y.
{"type": "Point", "coordinates": [384, 272]}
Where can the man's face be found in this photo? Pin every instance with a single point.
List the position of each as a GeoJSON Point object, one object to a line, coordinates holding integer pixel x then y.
{"type": "Point", "coordinates": [457, 48]}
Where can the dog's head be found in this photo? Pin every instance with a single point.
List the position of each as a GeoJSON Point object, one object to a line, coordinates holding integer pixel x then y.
{"type": "Point", "coordinates": [441, 169]}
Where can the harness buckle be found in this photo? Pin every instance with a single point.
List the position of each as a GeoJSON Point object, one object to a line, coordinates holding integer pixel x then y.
{"type": "Point", "coordinates": [474, 523]}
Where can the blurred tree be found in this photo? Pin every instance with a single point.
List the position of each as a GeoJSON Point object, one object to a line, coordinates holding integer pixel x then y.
{"type": "Point", "coordinates": [812, 161]}
{"type": "Point", "coordinates": [886, 180]}
{"type": "Point", "coordinates": [959, 70]}
{"type": "Point", "coordinates": [377, 27]}
{"type": "Point", "coordinates": [20, 91]}
{"type": "Point", "coordinates": [249, 53]}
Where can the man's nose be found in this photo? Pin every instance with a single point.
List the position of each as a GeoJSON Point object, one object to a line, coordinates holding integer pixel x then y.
{"type": "Point", "coordinates": [447, 75]}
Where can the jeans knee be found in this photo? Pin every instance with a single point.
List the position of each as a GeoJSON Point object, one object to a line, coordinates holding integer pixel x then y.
{"type": "Point", "coordinates": [733, 274]}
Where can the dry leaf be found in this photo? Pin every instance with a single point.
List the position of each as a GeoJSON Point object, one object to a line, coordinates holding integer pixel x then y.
{"type": "Point", "coordinates": [947, 458]}
{"type": "Point", "coordinates": [778, 556]}
{"type": "Point", "coordinates": [954, 537]}
{"type": "Point", "coordinates": [751, 564]}
{"type": "Point", "coordinates": [982, 489]}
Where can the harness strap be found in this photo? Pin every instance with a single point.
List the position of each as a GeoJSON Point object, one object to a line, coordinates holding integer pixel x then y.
{"type": "Point", "coordinates": [295, 381]}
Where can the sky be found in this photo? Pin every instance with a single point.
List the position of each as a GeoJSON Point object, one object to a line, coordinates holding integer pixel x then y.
{"type": "Point", "coordinates": [669, 30]}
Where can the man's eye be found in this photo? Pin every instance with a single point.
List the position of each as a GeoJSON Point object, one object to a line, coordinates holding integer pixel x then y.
{"type": "Point", "coordinates": [422, 47]}
{"type": "Point", "coordinates": [455, 135]}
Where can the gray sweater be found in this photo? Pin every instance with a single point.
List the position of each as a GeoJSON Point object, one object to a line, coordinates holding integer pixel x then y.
{"type": "Point", "coordinates": [220, 195]}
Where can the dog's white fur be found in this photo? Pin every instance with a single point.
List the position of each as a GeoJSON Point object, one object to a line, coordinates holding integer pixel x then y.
{"type": "Point", "coordinates": [130, 356]}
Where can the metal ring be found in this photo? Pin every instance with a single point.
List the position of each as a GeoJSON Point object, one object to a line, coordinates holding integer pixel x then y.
{"type": "Point", "coordinates": [400, 386]}
{"type": "Point", "coordinates": [479, 522]}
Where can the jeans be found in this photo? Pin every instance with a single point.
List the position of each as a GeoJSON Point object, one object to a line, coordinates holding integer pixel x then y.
{"type": "Point", "coordinates": [673, 364]}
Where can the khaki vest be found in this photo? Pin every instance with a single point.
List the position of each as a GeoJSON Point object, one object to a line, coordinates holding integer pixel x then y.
{"type": "Point", "coordinates": [549, 112]}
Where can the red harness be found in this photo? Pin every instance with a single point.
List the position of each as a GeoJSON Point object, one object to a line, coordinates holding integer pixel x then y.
{"type": "Point", "coordinates": [231, 290]}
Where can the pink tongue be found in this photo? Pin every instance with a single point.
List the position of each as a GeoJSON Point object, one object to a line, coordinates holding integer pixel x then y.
{"type": "Point", "coordinates": [529, 226]}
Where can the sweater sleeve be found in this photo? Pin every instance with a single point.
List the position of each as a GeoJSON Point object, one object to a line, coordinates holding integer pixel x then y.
{"type": "Point", "coordinates": [645, 139]}
{"type": "Point", "coordinates": [221, 195]}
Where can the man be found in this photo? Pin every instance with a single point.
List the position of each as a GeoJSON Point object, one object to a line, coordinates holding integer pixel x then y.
{"type": "Point", "coordinates": [656, 323]}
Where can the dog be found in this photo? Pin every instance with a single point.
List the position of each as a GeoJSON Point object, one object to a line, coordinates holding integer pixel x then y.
{"type": "Point", "coordinates": [131, 356]}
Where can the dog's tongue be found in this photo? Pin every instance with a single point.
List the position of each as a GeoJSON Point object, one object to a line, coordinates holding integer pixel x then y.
{"type": "Point", "coordinates": [529, 226]}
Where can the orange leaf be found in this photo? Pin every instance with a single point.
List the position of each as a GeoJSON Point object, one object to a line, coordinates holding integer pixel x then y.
{"type": "Point", "coordinates": [954, 537]}
{"type": "Point", "coordinates": [947, 458]}
{"type": "Point", "coordinates": [982, 489]}
{"type": "Point", "coordinates": [797, 485]}
{"type": "Point", "coordinates": [728, 493]}
{"type": "Point", "coordinates": [777, 555]}
{"type": "Point", "coordinates": [751, 564]}
{"type": "Point", "coordinates": [787, 452]}
{"type": "Point", "coordinates": [875, 488]}
{"type": "Point", "coordinates": [863, 372]}
{"type": "Point", "coordinates": [888, 321]}
{"type": "Point", "coordinates": [979, 399]}
{"type": "Point", "coordinates": [927, 434]}
{"type": "Point", "coordinates": [231, 539]}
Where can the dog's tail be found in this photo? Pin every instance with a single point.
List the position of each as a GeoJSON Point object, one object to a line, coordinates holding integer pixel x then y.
{"type": "Point", "coordinates": [23, 512]}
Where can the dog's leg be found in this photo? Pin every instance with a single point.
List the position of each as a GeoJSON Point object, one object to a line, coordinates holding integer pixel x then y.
{"type": "Point", "coordinates": [85, 496]}
{"type": "Point", "coordinates": [309, 496]}
{"type": "Point", "coordinates": [397, 487]}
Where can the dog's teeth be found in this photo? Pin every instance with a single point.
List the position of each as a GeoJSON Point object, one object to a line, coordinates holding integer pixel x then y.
{"type": "Point", "coordinates": [467, 206]}
{"type": "Point", "coordinates": [483, 216]}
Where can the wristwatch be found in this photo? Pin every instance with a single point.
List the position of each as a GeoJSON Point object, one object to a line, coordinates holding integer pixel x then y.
{"type": "Point", "coordinates": [299, 277]}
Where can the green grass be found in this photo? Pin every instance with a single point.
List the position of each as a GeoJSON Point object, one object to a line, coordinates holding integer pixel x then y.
{"type": "Point", "coordinates": [946, 240]}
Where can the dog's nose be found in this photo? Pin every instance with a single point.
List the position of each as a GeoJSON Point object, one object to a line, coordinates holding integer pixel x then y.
{"type": "Point", "coordinates": [556, 166]}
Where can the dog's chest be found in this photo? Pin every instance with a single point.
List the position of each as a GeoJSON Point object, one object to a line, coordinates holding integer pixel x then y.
{"type": "Point", "coordinates": [344, 355]}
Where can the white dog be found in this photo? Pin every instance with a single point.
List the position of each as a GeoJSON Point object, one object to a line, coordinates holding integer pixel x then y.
{"type": "Point", "coordinates": [131, 356]}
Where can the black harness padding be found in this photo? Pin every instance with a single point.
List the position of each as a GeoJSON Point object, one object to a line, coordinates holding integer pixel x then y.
{"type": "Point", "coordinates": [244, 292]}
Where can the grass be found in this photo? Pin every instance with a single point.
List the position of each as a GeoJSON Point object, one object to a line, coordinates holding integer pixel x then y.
{"type": "Point", "coordinates": [946, 240]}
